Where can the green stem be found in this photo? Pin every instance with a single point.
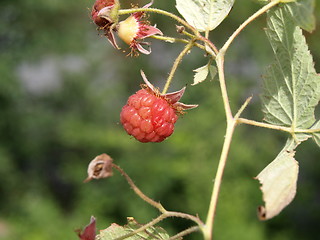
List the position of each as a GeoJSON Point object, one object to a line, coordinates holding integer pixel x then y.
{"type": "Point", "coordinates": [231, 121]}
{"type": "Point", "coordinates": [138, 191]}
{"type": "Point", "coordinates": [162, 12]}
{"type": "Point", "coordinates": [276, 127]}
{"type": "Point", "coordinates": [163, 216]}
{"type": "Point", "coordinates": [223, 86]}
{"type": "Point", "coordinates": [249, 20]}
{"type": "Point", "coordinates": [176, 64]}
{"type": "Point", "coordinates": [174, 40]}
{"type": "Point", "coordinates": [208, 229]}
{"type": "Point", "coordinates": [184, 233]}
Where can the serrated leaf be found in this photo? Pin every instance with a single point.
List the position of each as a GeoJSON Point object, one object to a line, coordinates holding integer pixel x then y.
{"type": "Point", "coordinates": [291, 85]}
{"type": "Point", "coordinates": [302, 12]}
{"type": "Point", "coordinates": [204, 14]}
{"type": "Point", "coordinates": [279, 182]}
{"type": "Point", "coordinates": [316, 136]}
{"type": "Point", "coordinates": [115, 231]}
{"type": "Point", "coordinates": [201, 73]}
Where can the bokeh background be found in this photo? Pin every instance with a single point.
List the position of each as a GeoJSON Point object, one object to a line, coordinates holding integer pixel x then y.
{"type": "Point", "coordinates": [62, 86]}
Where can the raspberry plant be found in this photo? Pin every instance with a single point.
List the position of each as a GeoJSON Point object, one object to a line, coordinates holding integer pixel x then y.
{"type": "Point", "coordinates": [291, 92]}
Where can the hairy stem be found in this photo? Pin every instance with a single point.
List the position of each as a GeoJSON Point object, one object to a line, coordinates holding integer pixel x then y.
{"type": "Point", "coordinates": [185, 232]}
{"type": "Point", "coordinates": [276, 127]}
{"type": "Point", "coordinates": [176, 64]}
{"type": "Point", "coordinates": [138, 191]}
{"type": "Point", "coordinates": [163, 216]}
{"type": "Point", "coordinates": [223, 86]}
{"type": "Point", "coordinates": [207, 230]}
{"type": "Point", "coordinates": [246, 22]}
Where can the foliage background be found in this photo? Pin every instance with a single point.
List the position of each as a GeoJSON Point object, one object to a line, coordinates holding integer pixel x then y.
{"type": "Point", "coordinates": [62, 87]}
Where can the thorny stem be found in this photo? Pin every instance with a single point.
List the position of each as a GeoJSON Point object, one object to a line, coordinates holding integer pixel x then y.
{"type": "Point", "coordinates": [176, 64]}
{"type": "Point", "coordinates": [207, 230]}
{"type": "Point", "coordinates": [223, 87]}
{"type": "Point", "coordinates": [164, 216]}
{"type": "Point", "coordinates": [138, 191]}
{"type": "Point", "coordinates": [165, 213]}
{"type": "Point", "coordinates": [276, 127]}
{"type": "Point", "coordinates": [249, 20]}
{"type": "Point", "coordinates": [185, 232]}
{"type": "Point", "coordinates": [231, 122]}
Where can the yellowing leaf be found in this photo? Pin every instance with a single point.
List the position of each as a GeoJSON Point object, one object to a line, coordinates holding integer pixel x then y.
{"type": "Point", "coordinates": [279, 182]}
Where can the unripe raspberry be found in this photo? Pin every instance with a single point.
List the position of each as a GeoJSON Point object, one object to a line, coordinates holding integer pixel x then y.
{"type": "Point", "coordinates": [147, 117]}
{"type": "Point", "coordinates": [150, 116]}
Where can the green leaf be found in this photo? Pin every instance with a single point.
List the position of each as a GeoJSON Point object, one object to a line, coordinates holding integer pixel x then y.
{"type": "Point", "coordinates": [115, 231]}
{"type": "Point", "coordinates": [316, 136]}
{"type": "Point", "coordinates": [204, 15]}
{"type": "Point", "coordinates": [302, 12]}
{"type": "Point", "coordinates": [201, 73]}
{"type": "Point", "coordinates": [291, 85]}
{"type": "Point", "coordinates": [279, 182]}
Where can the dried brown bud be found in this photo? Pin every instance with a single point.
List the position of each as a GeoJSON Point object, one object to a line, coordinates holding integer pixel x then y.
{"type": "Point", "coordinates": [100, 167]}
{"type": "Point", "coordinates": [180, 29]}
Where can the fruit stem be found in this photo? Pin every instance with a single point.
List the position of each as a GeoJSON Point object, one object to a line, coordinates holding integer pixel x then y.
{"type": "Point", "coordinates": [176, 64]}
{"type": "Point", "coordinates": [138, 191]}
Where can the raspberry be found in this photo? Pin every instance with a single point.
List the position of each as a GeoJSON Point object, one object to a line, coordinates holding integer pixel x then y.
{"type": "Point", "coordinates": [148, 117]}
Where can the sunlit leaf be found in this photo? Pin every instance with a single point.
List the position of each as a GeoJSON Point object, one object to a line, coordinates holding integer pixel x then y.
{"type": "Point", "coordinates": [302, 12]}
{"type": "Point", "coordinates": [204, 14]}
{"type": "Point", "coordinates": [291, 85]}
{"type": "Point", "coordinates": [279, 182]}
{"type": "Point", "coordinates": [115, 231]}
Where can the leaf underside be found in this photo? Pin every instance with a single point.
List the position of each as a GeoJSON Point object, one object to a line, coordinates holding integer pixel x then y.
{"type": "Point", "coordinates": [291, 91]}
{"type": "Point", "coordinates": [291, 85]}
{"type": "Point", "coordinates": [302, 12]}
{"type": "Point", "coordinates": [204, 15]}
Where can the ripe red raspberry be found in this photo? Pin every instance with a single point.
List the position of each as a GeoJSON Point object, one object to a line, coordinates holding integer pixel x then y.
{"type": "Point", "coordinates": [147, 117]}
{"type": "Point", "coordinates": [150, 116]}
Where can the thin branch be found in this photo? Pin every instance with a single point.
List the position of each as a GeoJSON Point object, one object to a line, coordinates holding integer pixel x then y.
{"type": "Point", "coordinates": [176, 64]}
{"type": "Point", "coordinates": [249, 20]}
{"type": "Point", "coordinates": [276, 127]}
{"type": "Point", "coordinates": [138, 191]}
{"type": "Point", "coordinates": [185, 232]}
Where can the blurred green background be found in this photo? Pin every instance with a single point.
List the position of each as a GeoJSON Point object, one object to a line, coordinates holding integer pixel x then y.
{"type": "Point", "coordinates": [62, 86]}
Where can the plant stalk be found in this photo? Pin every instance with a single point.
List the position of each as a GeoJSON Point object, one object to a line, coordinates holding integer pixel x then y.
{"type": "Point", "coordinates": [176, 64]}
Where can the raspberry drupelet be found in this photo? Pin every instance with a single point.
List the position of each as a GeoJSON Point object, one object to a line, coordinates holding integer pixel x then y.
{"type": "Point", "coordinates": [150, 116]}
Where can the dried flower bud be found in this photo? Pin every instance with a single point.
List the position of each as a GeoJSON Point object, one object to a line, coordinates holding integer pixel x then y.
{"type": "Point", "coordinates": [100, 167]}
